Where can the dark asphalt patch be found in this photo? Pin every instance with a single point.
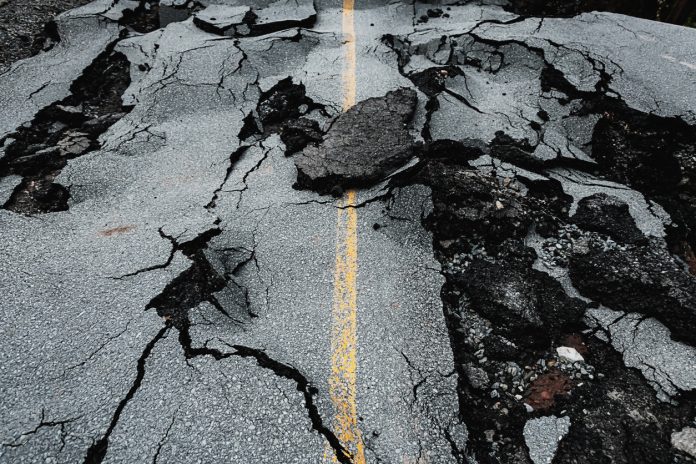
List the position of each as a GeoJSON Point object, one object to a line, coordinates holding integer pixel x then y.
{"type": "Point", "coordinates": [653, 155]}
{"type": "Point", "coordinates": [364, 144]}
{"type": "Point", "coordinates": [282, 109]}
{"type": "Point", "coordinates": [296, 134]}
{"type": "Point", "coordinates": [641, 278]}
{"type": "Point", "coordinates": [607, 428]}
{"type": "Point", "coordinates": [504, 316]}
{"type": "Point", "coordinates": [281, 103]}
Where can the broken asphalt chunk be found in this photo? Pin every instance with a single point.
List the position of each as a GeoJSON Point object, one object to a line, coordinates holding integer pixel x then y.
{"type": "Point", "coordinates": [284, 14]}
{"type": "Point", "coordinates": [231, 21]}
{"type": "Point", "coordinates": [364, 144]}
{"type": "Point", "coordinates": [240, 20]}
{"type": "Point", "coordinates": [609, 215]}
{"type": "Point", "coordinates": [645, 279]}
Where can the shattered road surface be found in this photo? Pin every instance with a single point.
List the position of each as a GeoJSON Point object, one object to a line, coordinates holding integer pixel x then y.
{"type": "Point", "coordinates": [348, 232]}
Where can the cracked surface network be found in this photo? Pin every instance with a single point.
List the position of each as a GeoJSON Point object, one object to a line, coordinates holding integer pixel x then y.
{"type": "Point", "coordinates": [524, 185]}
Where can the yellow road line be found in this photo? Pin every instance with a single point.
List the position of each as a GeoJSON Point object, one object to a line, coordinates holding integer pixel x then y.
{"type": "Point", "coordinates": [344, 363]}
{"type": "Point", "coordinates": [342, 383]}
{"type": "Point", "coordinates": [349, 89]}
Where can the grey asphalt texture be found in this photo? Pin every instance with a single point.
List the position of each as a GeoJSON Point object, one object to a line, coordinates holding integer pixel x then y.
{"type": "Point", "coordinates": [81, 357]}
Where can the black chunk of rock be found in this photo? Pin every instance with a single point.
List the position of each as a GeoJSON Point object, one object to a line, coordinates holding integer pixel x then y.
{"type": "Point", "coordinates": [517, 152]}
{"type": "Point", "coordinates": [451, 150]}
{"type": "Point", "coordinates": [434, 13]}
{"type": "Point", "coordinates": [653, 155]}
{"type": "Point", "coordinates": [645, 279]}
{"type": "Point", "coordinates": [364, 144]}
{"type": "Point", "coordinates": [38, 196]}
{"type": "Point", "coordinates": [525, 305]}
{"type": "Point", "coordinates": [296, 134]}
{"type": "Point", "coordinates": [608, 215]}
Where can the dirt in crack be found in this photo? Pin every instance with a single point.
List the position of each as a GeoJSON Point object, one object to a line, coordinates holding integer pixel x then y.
{"type": "Point", "coordinates": [63, 131]}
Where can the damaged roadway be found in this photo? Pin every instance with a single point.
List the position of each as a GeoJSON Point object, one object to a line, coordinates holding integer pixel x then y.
{"type": "Point", "coordinates": [379, 232]}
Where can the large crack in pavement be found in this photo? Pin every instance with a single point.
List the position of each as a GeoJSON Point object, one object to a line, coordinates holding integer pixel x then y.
{"type": "Point", "coordinates": [520, 190]}
{"type": "Point", "coordinates": [63, 131]}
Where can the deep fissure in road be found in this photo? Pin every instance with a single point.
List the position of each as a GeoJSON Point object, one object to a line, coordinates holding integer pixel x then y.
{"type": "Point", "coordinates": [63, 131]}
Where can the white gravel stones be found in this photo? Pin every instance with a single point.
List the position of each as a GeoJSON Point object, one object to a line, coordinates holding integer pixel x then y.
{"type": "Point", "coordinates": [570, 354]}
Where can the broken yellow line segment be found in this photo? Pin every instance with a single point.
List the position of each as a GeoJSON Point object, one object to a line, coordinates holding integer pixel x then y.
{"type": "Point", "coordinates": [344, 363]}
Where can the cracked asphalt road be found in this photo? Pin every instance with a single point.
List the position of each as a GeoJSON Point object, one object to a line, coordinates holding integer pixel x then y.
{"type": "Point", "coordinates": [348, 231]}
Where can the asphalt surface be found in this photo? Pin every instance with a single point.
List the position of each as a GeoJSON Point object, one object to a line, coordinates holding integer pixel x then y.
{"type": "Point", "coordinates": [326, 340]}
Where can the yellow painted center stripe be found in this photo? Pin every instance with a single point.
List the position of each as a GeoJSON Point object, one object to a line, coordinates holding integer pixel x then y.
{"type": "Point", "coordinates": [344, 363]}
{"type": "Point", "coordinates": [342, 383]}
{"type": "Point", "coordinates": [349, 91]}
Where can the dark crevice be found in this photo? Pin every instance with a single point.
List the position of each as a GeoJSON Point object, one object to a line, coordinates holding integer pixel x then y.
{"type": "Point", "coordinates": [98, 450]}
{"type": "Point", "coordinates": [303, 386]}
{"type": "Point", "coordinates": [65, 130]}
{"type": "Point", "coordinates": [284, 109]}
{"type": "Point", "coordinates": [197, 284]}
{"type": "Point", "coordinates": [283, 103]}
